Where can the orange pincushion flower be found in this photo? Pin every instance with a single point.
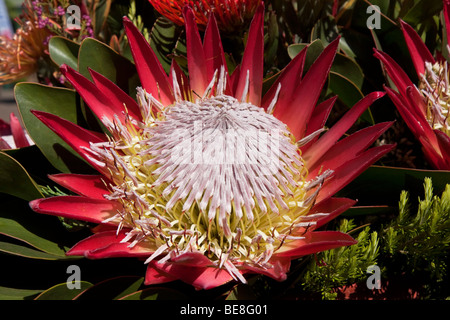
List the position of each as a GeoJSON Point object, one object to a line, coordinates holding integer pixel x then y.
{"type": "Point", "coordinates": [19, 55]}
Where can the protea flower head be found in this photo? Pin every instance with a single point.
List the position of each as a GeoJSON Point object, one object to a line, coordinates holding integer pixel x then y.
{"type": "Point", "coordinates": [21, 55]}
{"type": "Point", "coordinates": [12, 135]}
{"type": "Point", "coordinates": [425, 106]}
{"type": "Point", "coordinates": [202, 177]}
{"type": "Point", "coordinates": [231, 15]}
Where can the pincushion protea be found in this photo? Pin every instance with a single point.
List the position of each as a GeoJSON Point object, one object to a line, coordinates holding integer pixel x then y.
{"type": "Point", "coordinates": [425, 107]}
{"type": "Point", "coordinates": [231, 15]}
{"type": "Point", "coordinates": [203, 178]}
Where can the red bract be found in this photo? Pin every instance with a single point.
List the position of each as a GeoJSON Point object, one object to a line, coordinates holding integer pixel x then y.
{"type": "Point", "coordinates": [204, 178]}
{"type": "Point", "coordinates": [231, 15]}
{"type": "Point", "coordinates": [424, 107]}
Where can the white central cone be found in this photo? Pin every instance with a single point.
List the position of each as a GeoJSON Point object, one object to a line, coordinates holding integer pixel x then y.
{"type": "Point", "coordinates": [225, 156]}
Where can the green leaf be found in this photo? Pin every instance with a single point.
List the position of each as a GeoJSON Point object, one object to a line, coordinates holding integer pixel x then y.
{"type": "Point", "coordinates": [348, 68]}
{"type": "Point", "coordinates": [367, 210]}
{"type": "Point", "coordinates": [42, 232]}
{"type": "Point", "coordinates": [62, 292]}
{"type": "Point", "coordinates": [34, 162]}
{"type": "Point", "coordinates": [63, 51]}
{"type": "Point", "coordinates": [17, 294]}
{"type": "Point", "coordinates": [423, 10]}
{"type": "Point", "coordinates": [14, 179]}
{"type": "Point", "coordinates": [348, 93]}
{"type": "Point", "coordinates": [61, 102]}
{"type": "Point", "coordinates": [112, 289]}
{"type": "Point", "coordinates": [101, 58]}
{"type": "Point", "coordinates": [315, 48]}
{"type": "Point", "coordinates": [241, 292]}
{"type": "Point", "coordinates": [155, 294]}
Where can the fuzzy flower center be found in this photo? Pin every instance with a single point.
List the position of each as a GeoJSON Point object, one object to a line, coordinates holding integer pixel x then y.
{"type": "Point", "coordinates": [218, 176]}
{"type": "Point", "coordinates": [435, 87]}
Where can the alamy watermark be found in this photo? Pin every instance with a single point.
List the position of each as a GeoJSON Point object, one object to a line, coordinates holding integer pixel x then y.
{"type": "Point", "coordinates": [230, 147]}
{"type": "Point", "coordinates": [373, 281]}
{"type": "Point", "coordinates": [73, 17]}
{"type": "Point", "coordinates": [73, 281]}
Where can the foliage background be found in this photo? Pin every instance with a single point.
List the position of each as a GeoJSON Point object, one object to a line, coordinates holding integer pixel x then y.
{"type": "Point", "coordinates": [399, 199]}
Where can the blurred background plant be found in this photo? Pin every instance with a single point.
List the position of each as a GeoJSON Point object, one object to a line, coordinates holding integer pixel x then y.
{"type": "Point", "coordinates": [391, 235]}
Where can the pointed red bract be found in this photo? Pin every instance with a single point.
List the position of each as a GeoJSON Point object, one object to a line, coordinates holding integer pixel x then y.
{"type": "Point", "coordinates": [151, 73]}
{"type": "Point", "coordinates": [97, 100]}
{"type": "Point", "coordinates": [315, 152]}
{"type": "Point", "coordinates": [419, 52]}
{"type": "Point", "coordinates": [333, 206]}
{"type": "Point", "coordinates": [251, 70]}
{"type": "Point", "coordinates": [212, 48]}
{"type": "Point", "coordinates": [92, 186]}
{"type": "Point", "coordinates": [353, 146]}
{"type": "Point", "coordinates": [289, 79]}
{"type": "Point", "coordinates": [351, 169]}
{"type": "Point", "coordinates": [199, 277]}
{"type": "Point", "coordinates": [75, 136]}
{"type": "Point", "coordinates": [120, 101]}
{"type": "Point", "coordinates": [197, 65]}
{"type": "Point", "coordinates": [297, 112]}
{"type": "Point", "coordinates": [75, 207]}
{"type": "Point", "coordinates": [444, 143]}
{"type": "Point", "coordinates": [315, 242]}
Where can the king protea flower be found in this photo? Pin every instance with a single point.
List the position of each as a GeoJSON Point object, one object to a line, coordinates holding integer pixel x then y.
{"type": "Point", "coordinates": [202, 177]}
{"type": "Point", "coordinates": [424, 107]}
{"type": "Point", "coordinates": [231, 15]}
